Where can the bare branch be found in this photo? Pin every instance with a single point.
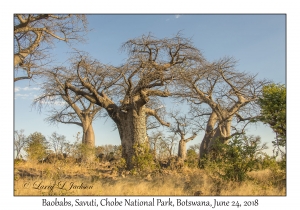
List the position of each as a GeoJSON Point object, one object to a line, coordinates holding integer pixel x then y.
{"type": "Point", "coordinates": [154, 114]}
{"type": "Point", "coordinates": [34, 33]}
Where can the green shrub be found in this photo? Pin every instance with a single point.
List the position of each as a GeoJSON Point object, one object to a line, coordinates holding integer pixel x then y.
{"type": "Point", "coordinates": [85, 152]}
{"type": "Point", "coordinates": [143, 159]}
{"type": "Point", "coordinates": [232, 161]}
{"type": "Point", "coordinates": [192, 159]}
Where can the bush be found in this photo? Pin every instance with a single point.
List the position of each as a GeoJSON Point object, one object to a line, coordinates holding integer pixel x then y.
{"type": "Point", "coordinates": [86, 153]}
{"type": "Point", "coordinates": [192, 158]}
{"type": "Point", "coordinates": [234, 160]}
{"type": "Point", "coordinates": [143, 159]}
{"type": "Point", "coordinates": [277, 168]}
{"type": "Point", "coordinates": [108, 152]}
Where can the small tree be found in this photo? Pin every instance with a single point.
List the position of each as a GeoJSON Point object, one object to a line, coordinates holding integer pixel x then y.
{"type": "Point", "coordinates": [167, 146]}
{"type": "Point", "coordinates": [154, 140]}
{"type": "Point", "coordinates": [69, 149]}
{"type": "Point", "coordinates": [182, 127]}
{"type": "Point", "coordinates": [195, 148]}
{"type": "Point", "coordinates": [72, 109]}
{"type": "Point", "coordinates": [20, 142]}
{"type": "Point", "coordinates": [58, 143]}
{"type": "Point", "coordinates": [273, 112]}
{"type": "Point", "coordinates": [37, 146]}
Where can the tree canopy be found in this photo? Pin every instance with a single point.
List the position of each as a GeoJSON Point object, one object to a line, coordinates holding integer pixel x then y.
{"type": "Point", "coordinates": [37, 146]}
{"type": "Point", "coordinates": [273, 111]}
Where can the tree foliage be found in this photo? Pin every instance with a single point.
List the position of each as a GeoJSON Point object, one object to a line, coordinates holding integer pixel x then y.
{"type": "Point", "coordinates": [143, 158]}
{"type": "Point", "coordinates": [192, 158]}
{"type": "Point", "coordinates": [234, 160]}
{"type": "Point", "coordinates": [37, 146]}
{"type": "Point", "coordinates": [273, 111]}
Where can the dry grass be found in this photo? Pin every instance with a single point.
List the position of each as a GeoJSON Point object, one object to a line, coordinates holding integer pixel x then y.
{"type": "Point", "coordinates": [103, 179]}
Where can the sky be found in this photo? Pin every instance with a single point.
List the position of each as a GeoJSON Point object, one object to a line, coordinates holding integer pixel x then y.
{"type": "Point", "coordinates": [258, 42]}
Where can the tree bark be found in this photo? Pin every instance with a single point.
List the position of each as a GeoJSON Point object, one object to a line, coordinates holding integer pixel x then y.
{"type": "Point", "coordinates": [132, 131]}
{"type": "Point", "coordinates": [88, 137]}
{"type": "Point", "coordinates": [182, 146]}
{"type": "Point", "coordinates": [182, 149]}
{"type": "Point", "coordinates": [209, 135]}
{"type": "Point", "coordinates": [222, 132]}
{"type": "Point", "coordinates": [18, 58]}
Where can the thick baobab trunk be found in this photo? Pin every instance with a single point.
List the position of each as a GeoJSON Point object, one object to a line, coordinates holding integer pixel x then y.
{"type": "Point", "coordinates": [88, 140]}
{"type": "Point", "coordinates": [221, 133]}
{"type": "Point", "coordinates": [182, 149]}
{"type": "Point", "coordinates": [209, 135]}
{"type": "Point", "coordinates": [182, 146]}
{"type": "Point", "coordinates": [88, 137]}
{"type": "Point", "coordinates": [133, 134]}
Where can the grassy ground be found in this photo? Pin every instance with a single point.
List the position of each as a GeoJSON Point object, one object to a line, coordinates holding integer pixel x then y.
{"type": "Point", "coordinates": [62, 178]}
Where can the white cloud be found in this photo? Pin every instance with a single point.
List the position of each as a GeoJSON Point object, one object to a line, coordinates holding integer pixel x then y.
{"type": "Point", "coordinates": [19, 95]}
{"type": "Point", "coordinates": [20, 92]}
{"type": "Point", "coordinates": [29, 88]}
{"type": "Point", "coordinates": [177, 16]}
{"type": "Point", "coordinates": [17, 89]}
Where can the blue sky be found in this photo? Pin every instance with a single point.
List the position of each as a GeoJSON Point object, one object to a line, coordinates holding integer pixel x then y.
{"type": "Point", "coordinates": [258, 42]}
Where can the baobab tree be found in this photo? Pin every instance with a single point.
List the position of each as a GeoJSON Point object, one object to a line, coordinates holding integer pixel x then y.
{"type": "Point", "coordinates": [168, 145]}
{"type": "Point", "coordinates": [154, 140]}
{"type": "Point", "coordinates": [34, 34]}
{"type": "Point", "coordinates": [229, 94]}
{"type": "Point", "coordinates": [153, 64]}
{"type": "Point", "coordinates": [162, 147]}
{"type": "Point", "coordinates": [67, 107]}
{"type": "Point", "coordinates": [182, 126]}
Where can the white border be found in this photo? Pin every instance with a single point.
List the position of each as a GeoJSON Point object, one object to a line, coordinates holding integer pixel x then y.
{"type": "Point", "coordinates": [170, 6]}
